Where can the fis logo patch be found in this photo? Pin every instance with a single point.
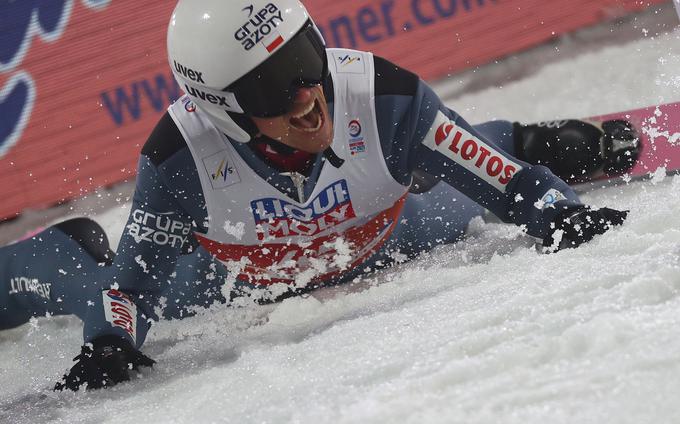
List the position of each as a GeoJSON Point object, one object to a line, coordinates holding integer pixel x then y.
{"type": "Point", "coordinates": [277, 218]}
{"type": "Point", "coordinates": [348, 60]}
{"type": "Point", "coordinates": [468, 151]}
{"type": "Point", "coordinates": [220, 169]}
{"type": "Point", "coordinates": [349, 63]}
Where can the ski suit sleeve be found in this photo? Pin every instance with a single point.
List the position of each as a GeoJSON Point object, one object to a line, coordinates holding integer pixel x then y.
{"type": "Point", "coordinates": [515, 191]}
{"type": "Point", "coordinates": [157, 232]}
{"type": "Point", "coordinates": [426, 136]}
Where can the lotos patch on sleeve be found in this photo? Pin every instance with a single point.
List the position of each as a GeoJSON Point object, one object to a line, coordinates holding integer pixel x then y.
{"type": "Point", "coordinates": [120, 311]}
{"type": "Point", "coordinates": [470, 152]}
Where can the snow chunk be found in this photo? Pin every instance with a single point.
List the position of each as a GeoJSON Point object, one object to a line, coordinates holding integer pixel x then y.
{"type": "Point", "coordinates": [141, 263]}
{"type": "Point", "coordinates": [237, 230]}
{"type": "Point", "coordinates": [659, 175]}
{"type": "Point", "coordinates": [343, 256]}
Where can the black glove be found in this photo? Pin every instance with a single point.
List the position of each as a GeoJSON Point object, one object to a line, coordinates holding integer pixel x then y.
{"type": "Point", "coordinates": [107, 363]}
{"type": "Point", "coordinates": [578, 225]}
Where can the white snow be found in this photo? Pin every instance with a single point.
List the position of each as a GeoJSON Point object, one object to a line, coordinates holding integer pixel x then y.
{"type": "Point", "coordinates": [485, 331]}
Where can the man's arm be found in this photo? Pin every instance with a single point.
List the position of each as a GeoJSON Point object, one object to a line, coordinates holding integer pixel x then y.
{"type": "Point", "coordinates": [423, 135]}
{"type": "Point", "coordinates": [157, 232]}
{"type": "Point", "coordinates": [514, 191]}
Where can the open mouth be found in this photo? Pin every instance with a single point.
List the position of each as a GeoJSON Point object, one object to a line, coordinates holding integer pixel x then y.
{"type": "Point", "coordinates": [308, 120]}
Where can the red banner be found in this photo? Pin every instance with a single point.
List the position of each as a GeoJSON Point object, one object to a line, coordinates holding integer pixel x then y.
{"type": "Point", "coordinates": [82, 82]}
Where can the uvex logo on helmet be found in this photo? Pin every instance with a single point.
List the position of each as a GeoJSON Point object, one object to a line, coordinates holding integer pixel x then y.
{"type": "Point", "coordinates": [203, 95]}
{"type": "Point", "coordinates": [259, 25]}
{"type": "Point", "coordinates": [188, 72]}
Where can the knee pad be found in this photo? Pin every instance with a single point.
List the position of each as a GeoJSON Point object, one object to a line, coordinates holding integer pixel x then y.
{"type": "Point", "coordinates": [90, 236]}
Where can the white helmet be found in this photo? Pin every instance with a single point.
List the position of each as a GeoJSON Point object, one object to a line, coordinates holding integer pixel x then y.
{"type": "Point", "coordinates": [240, 58]}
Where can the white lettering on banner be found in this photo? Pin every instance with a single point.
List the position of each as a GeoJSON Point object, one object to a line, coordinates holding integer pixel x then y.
{"type": "Point", "coordinates": [470, 152]}
{"type": "Point", "coordinates": [19, 285]}
{"type": "Point", "coordinates": [158, 228]}
{"type": "Point", "coordinates": [120, 311]}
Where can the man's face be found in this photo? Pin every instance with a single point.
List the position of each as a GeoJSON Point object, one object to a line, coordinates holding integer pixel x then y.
{"type": "Point", "coordinates": [307, 127]}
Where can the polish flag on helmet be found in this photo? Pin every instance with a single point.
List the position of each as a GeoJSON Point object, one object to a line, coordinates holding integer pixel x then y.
{"type": "Point", "coordinates": [272, 41]}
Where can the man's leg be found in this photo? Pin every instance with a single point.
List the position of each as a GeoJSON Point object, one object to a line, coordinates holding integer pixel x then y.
{"type": "Point", "coordinates": [53, 272]}
{"type": "Point", "coordinates": [578, 151]}
{"type": "Point", "coordinates": [572, 149]}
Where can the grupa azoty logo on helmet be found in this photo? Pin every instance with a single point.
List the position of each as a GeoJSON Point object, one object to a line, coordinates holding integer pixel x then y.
{"type": "Point", "coordinates": [261, 28]}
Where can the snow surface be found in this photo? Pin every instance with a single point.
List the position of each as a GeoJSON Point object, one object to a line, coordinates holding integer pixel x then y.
{"type": "Point", "coordinates": [484, 331]}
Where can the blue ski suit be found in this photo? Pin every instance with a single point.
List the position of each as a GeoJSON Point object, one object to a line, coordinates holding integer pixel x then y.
{"type": "Point", "coordinates": [57, 273]}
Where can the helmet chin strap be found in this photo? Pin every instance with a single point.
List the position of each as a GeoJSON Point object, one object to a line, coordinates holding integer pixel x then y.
{"type": "Point", "coordinates": [332, 158]}
{"type": "Point", "coordinates": [276, 145]}
{"type": "Point", "coordinates": [284, 149]}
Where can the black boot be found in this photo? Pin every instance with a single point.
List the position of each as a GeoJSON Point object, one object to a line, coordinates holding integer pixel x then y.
{"type": "Point", "coordinates": [579, 151]}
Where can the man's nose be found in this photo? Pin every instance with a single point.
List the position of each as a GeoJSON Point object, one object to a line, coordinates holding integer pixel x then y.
{"type": "Point", "coordinates": [304, 95]}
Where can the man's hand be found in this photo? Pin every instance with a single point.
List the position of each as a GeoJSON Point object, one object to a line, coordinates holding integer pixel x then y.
{"type": "Point", "coordinates": [107, 363]}
{"type": "Point", "coordinates": [576, 226]}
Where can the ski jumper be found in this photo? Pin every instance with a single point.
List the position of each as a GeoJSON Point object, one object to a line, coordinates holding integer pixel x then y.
{"type": "Point", "coordinates": [346, 216]}
{"type": "Point", "coordinates": [209, 211]}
